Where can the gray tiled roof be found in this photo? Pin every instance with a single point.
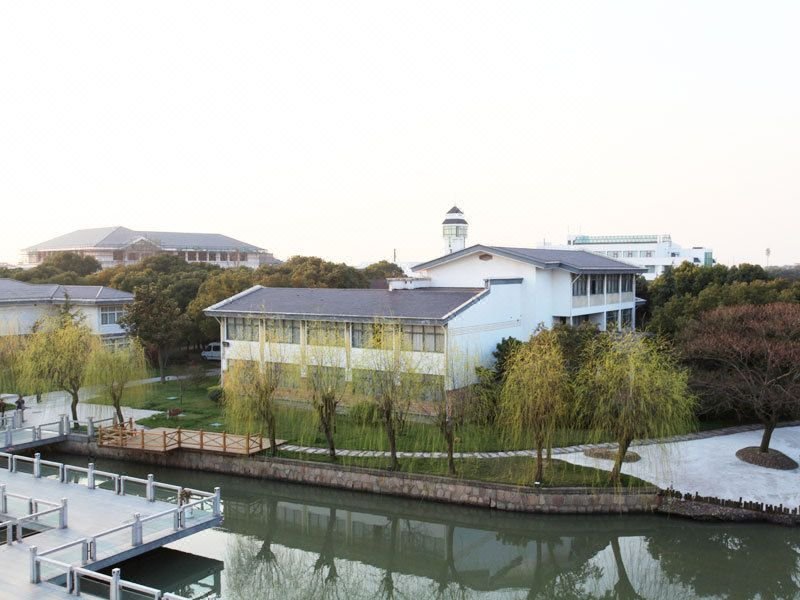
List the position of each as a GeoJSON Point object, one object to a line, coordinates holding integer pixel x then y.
{"type": "Point", "coordinates": [20, 292]}
{"type": "Point", "coordinates": [120, 237]}
{"type": "Point", "coordinates": [423, 304]}
{"type": "Point", "coordinates": [575, 261]}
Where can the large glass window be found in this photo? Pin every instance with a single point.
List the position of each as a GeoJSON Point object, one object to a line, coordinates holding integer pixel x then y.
{"type": "Point", "coordinates": [325, 333]}
{"type": "Point", "coordinates": [611, 320]}
{"type": "Point", "coordinates": [596, 284]}
{"type": "Point", "coordinates": [627, 318]}
{"type": "Point", "coordinates": [371, 335]}
{"type": "Point", "coordinates": [612, 284]}
{"type": "Point", "coordinates": [242, 329]}
{"type": "Point", "coordinates": [423, 338]}
{"type": "Point", "coordinates": [110, 315]}
{"type": "Point", "coordinates": [579, 286]}
{"type": "Point", "coordinates": [283, 331]}
{"type": "Point", "coordinates": [627, 283]}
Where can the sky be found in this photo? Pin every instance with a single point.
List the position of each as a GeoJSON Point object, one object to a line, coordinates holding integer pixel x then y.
{"type": "Point", "coordinates": [347, 129]}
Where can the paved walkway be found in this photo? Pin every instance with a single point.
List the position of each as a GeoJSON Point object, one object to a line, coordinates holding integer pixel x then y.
{"type": "Point", "coordinates": [709, 466]}
{"type": "Point", "coordinates": [701, 435]}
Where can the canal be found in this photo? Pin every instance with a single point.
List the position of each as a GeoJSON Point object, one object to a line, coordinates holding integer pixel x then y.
{"type": "Point", "coordinates": [287, 541]}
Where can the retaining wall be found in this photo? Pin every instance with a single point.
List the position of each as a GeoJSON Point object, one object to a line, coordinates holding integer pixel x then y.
{"type": "Point", "coordinates": [423, 487]}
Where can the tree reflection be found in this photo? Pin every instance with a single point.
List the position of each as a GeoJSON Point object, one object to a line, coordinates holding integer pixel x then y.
{"type": "Point", "coordinates": [735, 563]}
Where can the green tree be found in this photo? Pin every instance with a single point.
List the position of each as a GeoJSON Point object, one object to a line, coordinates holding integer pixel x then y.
{"type": "Point", "coordinates": [310, 271]}
{"type": "Point", "coordinates": [250, 387]}
{"type": "Point", "coordinates": [382, 270]}
{"type": "Point", "coordinates": [631, 387]}
{"type": "Point", "coordinates": [155, 318]}
{"type": "Point", "coordinates": [748, 358]}
{"type": "Point", "coordinates": [536, 394]}
{"type": "Point", "coordinates": [56, 357]}
{"type": "Point", "coordinates": [113, 369]}
{"type": "Point", "coordinates": [216, 288]}
{"type": "Point", "coordinates": [12, 353]}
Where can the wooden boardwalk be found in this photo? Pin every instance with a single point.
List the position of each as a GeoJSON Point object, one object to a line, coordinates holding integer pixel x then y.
{"type": "Point", "coordinates": [163, 439]}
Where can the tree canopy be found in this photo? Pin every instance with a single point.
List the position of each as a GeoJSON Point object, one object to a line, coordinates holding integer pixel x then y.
{"type": "Point", "coordinates": [748, 358]}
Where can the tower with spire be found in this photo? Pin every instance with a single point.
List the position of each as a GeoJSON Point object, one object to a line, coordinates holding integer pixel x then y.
{"type": "Point", "coordinates": [454, 230]}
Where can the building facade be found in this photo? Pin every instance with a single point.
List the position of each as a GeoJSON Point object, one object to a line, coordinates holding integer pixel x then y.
{"type": "Point", "coordinates": [652, 252]}
{"type": "Point", "coordinates": [444, 320]}
{"type": "Point", "coordinates": [22, 305]}
{"type": "Point", "coordinates": [114, 246]}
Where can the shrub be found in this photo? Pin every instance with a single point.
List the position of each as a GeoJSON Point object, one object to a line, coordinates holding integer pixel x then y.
{"type": "Point", "coordinates": [215, 393]}
{"type": "Point", "coordinates": [364, 412]}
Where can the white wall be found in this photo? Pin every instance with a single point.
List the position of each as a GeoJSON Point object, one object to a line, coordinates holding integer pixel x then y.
{"type": "Point", "coordinates": [20, 318]}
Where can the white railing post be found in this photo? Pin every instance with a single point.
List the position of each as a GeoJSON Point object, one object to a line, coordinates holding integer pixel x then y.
{"type": "Point", "coordinates": [62, 473]}
{"type": "Point", "coordinates": [13, 463]}
{"type": "Point", "coordinates": [90, 427]}
{"type": "Point", "coordinates": [62, 515]}
{"type": "Point", "coordinates": [120, 485]}
{"type": "Point", "coordinates": [3, 499]}
{"type": "Point", "coordinates": [9, 441]}
{"type": "Point", "coordinates": [35, 573]}
{"type": "Point", "coordinates": [114, 591]}
{"type": "Point", "coordinates": [61, 430]}
{"type": "Point", "coordinates": [92, 549]}
{"type": "Point", "coordinates": [10, 533]}
{"type": "Point", "coordinates": [84, 552]}
{"type": "Point", "coordinates": [151, 489]}
{"type": "Point", "coordinates": [17, 419]}
{"type": "Point", "coordinates": [37, 465]}
{"type": "Point", "coordinates": [217, 502]}
{"type": "Point", "coordinates": [176, 520]}
{"type": "Point", "coordinates": [90, 476]}
{"type": "Point", "coordinates": [136, 530]}
{"type": "Point", "coordinates": [67, 424]}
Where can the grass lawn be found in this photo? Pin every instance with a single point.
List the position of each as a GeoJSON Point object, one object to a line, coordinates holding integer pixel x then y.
{"type": "Point", "coordinates": [515, 471]}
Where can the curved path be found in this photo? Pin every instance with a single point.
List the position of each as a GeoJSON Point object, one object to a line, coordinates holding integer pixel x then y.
{"type": "Point", "coordinates": [701, 435]}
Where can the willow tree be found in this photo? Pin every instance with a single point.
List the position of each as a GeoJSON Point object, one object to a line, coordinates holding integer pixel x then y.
{"type": "Point", "coordinates": [250, 387]}
{"type": "Point", "coordinates": [12, 349]}
{"type": "Point", "coordinates": [57, 356]}
{"type": "Point", "coordinates": [114, 369]}
{"type": "Point", "coordinates": [631, 387]}
{"type": "Point", "coordinates": [535, 396]}
{"type": "Point", "coordinates": [326, 378]}
{"type": "Point", "coordinates": [392, 374]}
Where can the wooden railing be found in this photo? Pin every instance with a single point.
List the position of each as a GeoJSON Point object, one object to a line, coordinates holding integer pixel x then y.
{"type": "Point", "coordinates": [166, 440]}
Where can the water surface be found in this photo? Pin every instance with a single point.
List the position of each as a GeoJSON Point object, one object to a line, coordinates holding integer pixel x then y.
{"type": "Point", "coordinates": [287, 541]}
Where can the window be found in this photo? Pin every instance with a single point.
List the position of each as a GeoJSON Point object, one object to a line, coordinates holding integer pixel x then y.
{"type": "Point", "coordinates": [612, 284]}
{"type": "Point", "coordinates": [627, 318]}
{"type": "Point", "coordinates": [212, 257]}
{"type": "Point", "coordinates": [325, 333]}
{"type": "Point", "coordinates": [191, 256]}
{"type": "Point", "coordinates": [118, 255]}
{"type": "Point", "coordinates": [596, 284]}
{"type": "Point", "coordinates": [371, 335]}
{"type": "Point", "coordinates": [646, 253]}
{"type": "Point", "coordinates": [243, 256]}
{"type": "Point", "coordinates": [614, 253]}
{"type": "Point", "coordinates": [242, 329]}
{"type": "Point", "coordinates": [110, 315]}
{"type": "Point", "coordinates": [223, 256]}
{"type": "Point", "coordinates": [627, 283]}
{"type": "Point", "coordinates": [579, 286]}
{"type": "Point", "coordinates": [133, 256]}
{"type": "Point", "coordinates": [423, 338]}
{"type": "Point", "coordinates": [202, 256]}
{"type": "Point", "coordinates": [611, 320]}
{"type": "Point", "coordinates": [283, 331]}
{"type": "Point", "coordinates": [629, 253]}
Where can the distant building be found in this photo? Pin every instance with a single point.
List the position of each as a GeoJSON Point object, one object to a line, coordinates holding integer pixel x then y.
{"type": "Point", "coordinates": [652, 252]}
{"type": "Point", "coordinates": [460, 304]}
{"type": "Point", "coordinates": [113, 246]}
{"type": "Point", "coordinates": [23, 304]}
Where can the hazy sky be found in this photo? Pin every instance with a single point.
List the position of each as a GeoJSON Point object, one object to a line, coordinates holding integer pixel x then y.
{"type": "Point", "coordinates": [347, 129]}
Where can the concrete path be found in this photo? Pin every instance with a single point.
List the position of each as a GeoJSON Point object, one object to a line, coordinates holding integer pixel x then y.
{"type": "Point", "coordinates": [709, 466]}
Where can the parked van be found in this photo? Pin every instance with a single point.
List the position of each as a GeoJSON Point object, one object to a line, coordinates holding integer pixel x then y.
{"type": "Point", "coordinates": [212, 352]}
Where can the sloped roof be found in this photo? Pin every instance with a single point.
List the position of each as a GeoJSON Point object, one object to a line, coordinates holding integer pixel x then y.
{"type": "Point", "coordinates": [574, 261]}
{"type": "Point", "coordinates": [434, 305]}
{"type": "Point", "coordinates": [120, 237]}
{"type": "Point", "coordinates": [21, 292]}
{"type": "Point", "coordinates": [454, 210]}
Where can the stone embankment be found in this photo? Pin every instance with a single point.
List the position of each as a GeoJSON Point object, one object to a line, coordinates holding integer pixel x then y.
{"type": "Point", "coordinates": [421, 487]}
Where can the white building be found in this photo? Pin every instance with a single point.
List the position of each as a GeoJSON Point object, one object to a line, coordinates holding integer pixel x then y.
{"type": "Point", "coordinates": [652, 252]}
{"type": "Point", "coordinates": [458, 305]}
{"type": "Point", "coordinates": [113, 246]}
{"type": "Point", "coordinates": [23, 304]}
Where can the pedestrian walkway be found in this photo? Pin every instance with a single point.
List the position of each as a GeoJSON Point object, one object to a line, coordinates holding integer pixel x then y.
{"type": "Point", "coordinates": [700, 435]}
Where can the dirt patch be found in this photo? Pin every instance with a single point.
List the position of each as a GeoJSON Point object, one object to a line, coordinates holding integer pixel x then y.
{"type": "Point", "coordinates": [611, 454]}
{"type": "Point", "coordinates": [771, 459]}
